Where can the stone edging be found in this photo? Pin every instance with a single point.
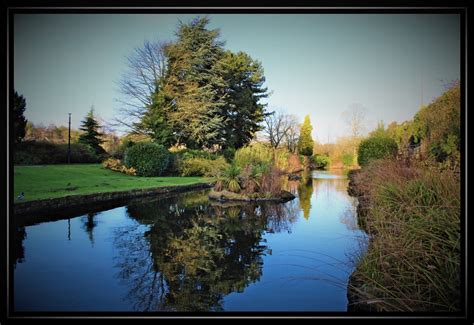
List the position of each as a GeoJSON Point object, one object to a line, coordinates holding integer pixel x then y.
{"type": "Point", "coordinates": [48, 205]}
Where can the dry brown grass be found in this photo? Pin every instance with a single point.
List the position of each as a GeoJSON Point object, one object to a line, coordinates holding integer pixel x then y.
{"type": "Point", "coordinates": [413, 218]}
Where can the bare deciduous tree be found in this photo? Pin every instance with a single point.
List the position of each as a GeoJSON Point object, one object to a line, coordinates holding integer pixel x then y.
{"type": "Point", "coordinates": [145, 67]}
{"type": "Point", "coordinates": [293, 134]}
{"type": "Point", "coordinates": [355, 119]}
{"type": "Point", "coordinates": [276, 128]}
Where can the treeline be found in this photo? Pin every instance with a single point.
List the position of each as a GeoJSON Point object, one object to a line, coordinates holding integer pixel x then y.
{"type": "Point", "coordinates": [35, 145]}
{"type": "Point", "coordinates": [433, 136]}
{"type": "Point", "coordinates": [410, 204]}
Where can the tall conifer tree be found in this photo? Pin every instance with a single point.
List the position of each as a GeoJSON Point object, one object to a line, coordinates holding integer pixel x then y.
{"type": "Point", "coordinates": [306, 143]}
{"type": "Point", "coordinates": [91, 135]}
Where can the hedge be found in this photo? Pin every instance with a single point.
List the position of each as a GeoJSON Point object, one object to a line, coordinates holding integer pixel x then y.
{"type": "Point", "coordinates": [376, 148]}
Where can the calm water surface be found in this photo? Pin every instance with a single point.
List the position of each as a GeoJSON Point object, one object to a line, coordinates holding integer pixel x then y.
{"type": "Point", "coordinates": [185, 253]}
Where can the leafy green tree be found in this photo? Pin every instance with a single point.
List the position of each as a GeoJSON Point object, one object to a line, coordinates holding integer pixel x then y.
{"type": "Point", "coordinates": [243, 90]}
{"type": "Point", "coordinates": [305, 142]}
{"type": "Point", "coordinates": [19, 120]}
{"type": "Point", "coordinates": [438, 125]}
{"type": "Point", "coordinates": [207, 96]}
{"type": "Point", "coordinates": [91, 135]}
{"type": "Point", "coordinates": [192, 87]}
{"type": "Point", "coordinates": [155, 122]}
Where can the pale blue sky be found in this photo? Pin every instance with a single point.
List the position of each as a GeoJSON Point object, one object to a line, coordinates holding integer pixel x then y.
{"type": "Point", "coordinates": [315, 64]}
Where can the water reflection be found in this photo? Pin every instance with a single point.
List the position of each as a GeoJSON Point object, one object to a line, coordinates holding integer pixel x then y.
{"type": "Point", "coordinates": [89, 223]}
{"type": "Point", "coordinates": [185, 253]}
{"type": "Point", "coordinates": [18, 248]}
{"type": "Point", "coordinates": [194, 253]}
{"type": "Point", "coordinates": [305, 191]}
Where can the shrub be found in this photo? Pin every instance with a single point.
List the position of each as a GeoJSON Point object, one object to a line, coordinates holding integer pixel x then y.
{"type": "Point", "coordinates": [116, 165]}
{"type": "Point", "coordinates": [321, 161]}
{"type": "Point", "coordinates": [254, 154]}
{"type": "Point", "coordinates": [294, 163]}
{"type": "Point", "coordinates": [231, 178]}
{"type": "Point", "coordinates": [148, 158]}
{"type": "Point", "coordinates": [229, 154]}
{"type": "Point", "coordinates": [271, 182]}
{"type": "Point", "coordinates": [174, 164]}
{"type": "Point", "coordinates": [258, 154]}
{"type": "Point", "coordinates": [120, 152]}
{"type": "Point", "coordinates": [347, 159]}
{"type": "Point", "coordinates": [250, 179]}
{"type": "Point", "coordinates": [192, 153]}
{"type": "Point", "coordinates": [45, 153]}
{"type": "Point", "coordinates": [202, 167]}
{"type": "Point", "coordinates": [376, 148]}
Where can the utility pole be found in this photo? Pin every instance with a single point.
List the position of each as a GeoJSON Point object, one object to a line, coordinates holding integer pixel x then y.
{"type": "Point", "coordinates": [69, 142]}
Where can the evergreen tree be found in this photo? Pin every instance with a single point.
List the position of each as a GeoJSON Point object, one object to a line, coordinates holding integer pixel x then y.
{"type": "Point", "coordinates": [242, 112]}
{"type": "Point", "coordinates": [155, 122]}
{"type": "Point", "coordinates": [306, 143]}
{"type": "Point", "coordinates": [207, 96]}
{"type": "Point", "coordinates": [91, 135]}
{"type": "Point", "coordinates": [191, 85]}
{"type": "Point", "coordinates": [19, 120]}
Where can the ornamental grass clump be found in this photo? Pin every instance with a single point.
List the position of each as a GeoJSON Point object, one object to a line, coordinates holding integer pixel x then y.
{"type": "Point", "coordinates": [413, 218]}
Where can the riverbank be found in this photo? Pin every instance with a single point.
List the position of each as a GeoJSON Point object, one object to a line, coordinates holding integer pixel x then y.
{"type": "Point", "coordinates": [70, 202]}
{"type": "Point", "coordinates": [57, 181]}
{"type": "Point", "coordinates": [412, 216]}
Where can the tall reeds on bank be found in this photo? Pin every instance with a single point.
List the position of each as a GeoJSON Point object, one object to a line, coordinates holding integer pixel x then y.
{"type": "Point", "coordinates": [412, 215]}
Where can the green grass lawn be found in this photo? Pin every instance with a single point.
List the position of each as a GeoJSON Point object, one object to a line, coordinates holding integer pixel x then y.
{"type": "Point", "coordinates": [52, 181]}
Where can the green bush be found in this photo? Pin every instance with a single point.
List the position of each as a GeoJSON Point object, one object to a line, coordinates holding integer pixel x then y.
{"type": "Point", "coordinates": [321, 161]}
{"type": "Point", "coordinates": [202, 167]}
{"type": "Point", "coordinates": [347, 159]}
{"type": "Point", "coordinates": [192, 153]}
{"type": "Point", "coordinates": [45, 153]}
{"type": "Point", "coordinates": [174, 164]}
{"type": "Point", "coordinates": [148, 158]}
{"type": "Point", "coordinates": [229, 154]}
{"type": "Point", "coordinates": [255, 155]}
{"type": "Point", "coordinates": [376, 148]}
{"type": "Point", "coordinates": [120, 152]}
{"type": "Point", "coordinates": [261, 156]}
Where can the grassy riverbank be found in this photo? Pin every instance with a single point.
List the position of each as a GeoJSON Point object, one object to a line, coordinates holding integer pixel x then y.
{"type": "Point", "coordinates": [413, 217]}
{"type": "Point", "coordinates": [53, 181]}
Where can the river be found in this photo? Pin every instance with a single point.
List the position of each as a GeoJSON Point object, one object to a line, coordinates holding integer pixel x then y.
{"type": "Point", "coordinates": [184, 253]}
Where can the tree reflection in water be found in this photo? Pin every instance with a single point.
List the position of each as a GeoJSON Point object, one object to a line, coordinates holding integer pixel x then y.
{"type": "Point", "coordinates": [89, 223]}
{"type": "Point", "coordinates": [305, 191]}
{"type": "Point", "coordinates": [186, 254]}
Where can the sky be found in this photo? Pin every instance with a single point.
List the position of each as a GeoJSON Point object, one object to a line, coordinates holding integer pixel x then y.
{"type": "Point", "coordinates": [316, 64]}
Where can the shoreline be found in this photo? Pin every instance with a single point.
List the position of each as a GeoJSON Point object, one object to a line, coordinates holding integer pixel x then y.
{"type": "Point", "coordinates": [74, 201]}
{"type": "Point", "coordinates": [354, 300]}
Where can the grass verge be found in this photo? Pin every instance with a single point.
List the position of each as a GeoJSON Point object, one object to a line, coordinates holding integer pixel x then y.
{"type": "Point", "coordinates": [53, 181]}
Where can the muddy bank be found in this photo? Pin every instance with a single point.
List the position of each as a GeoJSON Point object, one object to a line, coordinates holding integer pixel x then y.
{"type": "Point", "coordinates": [28, 212]}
